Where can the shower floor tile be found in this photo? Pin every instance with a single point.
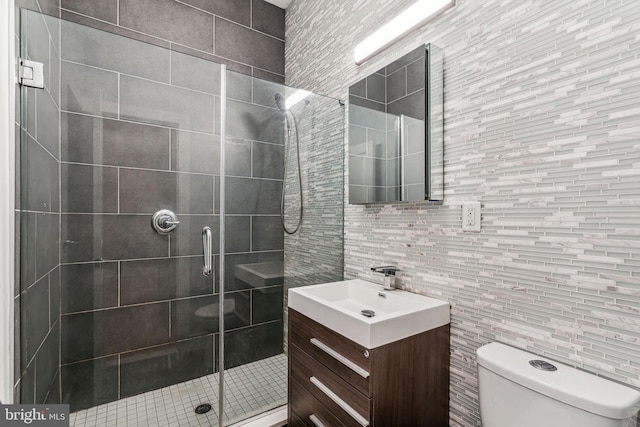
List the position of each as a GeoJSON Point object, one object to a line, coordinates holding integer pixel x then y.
{"type": "Point", "coordinates": [249, 390]}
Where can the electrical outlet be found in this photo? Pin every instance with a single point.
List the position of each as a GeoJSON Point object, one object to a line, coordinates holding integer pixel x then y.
{"type": "Point", "coordinates": [471, 216]}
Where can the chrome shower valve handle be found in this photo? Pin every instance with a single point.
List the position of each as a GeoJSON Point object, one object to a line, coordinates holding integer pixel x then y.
{"type": "Point", "coordinates": [164, 221]}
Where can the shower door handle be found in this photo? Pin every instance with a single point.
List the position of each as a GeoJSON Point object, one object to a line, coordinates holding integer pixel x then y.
{"type": "Point", "coordinates": [206, 246]}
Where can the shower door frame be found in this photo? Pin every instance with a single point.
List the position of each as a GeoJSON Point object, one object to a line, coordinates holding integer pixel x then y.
{"type": "Point", "coordinates": [222, 133]}
{"type": "Point", "coordinates": [7, 199]}
{"type": "Point", "coordinates": [220, 116]}
{"type": "Point", "coordinates": [222, 233]}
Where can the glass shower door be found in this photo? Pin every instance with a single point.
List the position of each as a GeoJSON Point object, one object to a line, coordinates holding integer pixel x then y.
{"type": "Point", "coordinates": [278, 140]}
{"type": "Point", "coordinates": [114, 313]}
{"type": "Point", "coordinates": [118, 320]}
{"type": "Point", "coordinates": [255, 376]}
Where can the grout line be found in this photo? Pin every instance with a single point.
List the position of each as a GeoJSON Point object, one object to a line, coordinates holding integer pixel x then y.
{"type": "Point", "coordinates": [33, 358]}
{"type": "Point", "coordinates": [119, 283]}
{"type": "Point", "coordinates": [119, 99]}
{"type": "Point", "coordinates": [251, 307]}
{"type": "Point", "coordinates": [35, 113]}
{"type": "Point", "coordinates": [406, 81]}
{"type": "Point", "coordinates": [171, 144]}
{"type": "Point", "coordinates": [117, 186]}
{"type": "Point", "coordinates": [119, 376]}
{"type": "Point", "coordinates": [140, 304]}
{"type": "Point", "coordinates": [49, 304]}
{"type": "Point", "coordinates": [169, 239]}
{"type": "Point", "coordinates": [133, 76]}
{"type": "Point", "coordinates": [250, 233]}
{"type": "Point", "coordinates": [35, 255]}
{"type": "Point", "coordinates": [137, 168]}
{"type": "Point", "coordinates": [42, 146]}
{"type": "Point", "coordinates": [93, 18]}
{"type": "Point", "coordinates": [111, 355]}
{"type": "Point", "coordinates": [232, 21]}
{"type": "Point", "coordinates": [179, 44]}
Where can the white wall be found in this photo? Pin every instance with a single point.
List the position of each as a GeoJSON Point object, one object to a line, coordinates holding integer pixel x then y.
{"type": "Point", "coordinates": [7, 194]}
{"type": "Point", "coordinates": [542, 125]}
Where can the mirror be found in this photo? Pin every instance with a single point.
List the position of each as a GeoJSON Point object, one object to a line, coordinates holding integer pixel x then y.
{"type": "Point", "coordinates": [396, 131]}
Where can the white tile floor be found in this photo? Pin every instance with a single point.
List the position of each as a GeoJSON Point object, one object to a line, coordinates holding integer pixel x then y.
{"type": "Point", "coordinates": [249, 390]}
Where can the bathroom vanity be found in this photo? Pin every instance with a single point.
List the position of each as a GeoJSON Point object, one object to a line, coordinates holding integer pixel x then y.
{"type": "Point", "coordinates": [372, 379]}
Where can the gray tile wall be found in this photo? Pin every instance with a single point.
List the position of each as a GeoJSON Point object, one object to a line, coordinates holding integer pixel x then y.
{"type": "Point", "coordinates": [137, 133]}
{"type": "Point", "coordinates": [37, 291]}
{"type": "Point", "coordinates": [136, 140]}
{"type": "Point", "coordinates": [247, 35]}
{"type": "Point", "coordinates": [541, 126]}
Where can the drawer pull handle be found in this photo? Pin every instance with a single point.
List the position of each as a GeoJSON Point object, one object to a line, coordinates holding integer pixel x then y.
{"type": "Point", "coordinates": [340, 358]}
{"type": "Point", "coordinates": [316, 422]}
{"type": "Point", "coordinates": [338, 401]}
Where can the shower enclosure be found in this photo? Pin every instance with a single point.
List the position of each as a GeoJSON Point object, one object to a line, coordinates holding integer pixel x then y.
{"type": "Point", "coordinates": [113, 313]}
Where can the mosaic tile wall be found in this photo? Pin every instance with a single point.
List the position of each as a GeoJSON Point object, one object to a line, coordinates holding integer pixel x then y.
{"type": "Point", "coordinates": [542, 126]}
{"type": "Point", "coordinates": [314, 254]}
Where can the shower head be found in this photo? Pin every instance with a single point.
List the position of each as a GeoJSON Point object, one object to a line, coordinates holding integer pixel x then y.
{"type": "Point", "coordinates": [281, 102]}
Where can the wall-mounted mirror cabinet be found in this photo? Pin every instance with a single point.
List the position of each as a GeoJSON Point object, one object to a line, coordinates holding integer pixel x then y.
{"type": "Point", "coordinates": [396, 131]}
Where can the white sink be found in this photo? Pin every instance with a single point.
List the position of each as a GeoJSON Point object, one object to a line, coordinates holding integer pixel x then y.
{"type": "Point", "coordinates": [398, 314]}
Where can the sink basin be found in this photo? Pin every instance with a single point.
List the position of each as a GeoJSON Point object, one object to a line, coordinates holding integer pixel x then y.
{"type": "Point", "coordinates": [398, 314]}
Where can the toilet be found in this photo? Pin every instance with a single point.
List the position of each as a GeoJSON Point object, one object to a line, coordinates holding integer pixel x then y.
{"type": "Point", "coordinates": [520, 389]}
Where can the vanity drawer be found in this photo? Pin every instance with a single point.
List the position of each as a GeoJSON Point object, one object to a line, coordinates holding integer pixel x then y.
{"type": "Point", "coordinates": [343, 356]}
{"type": "Point", "coordinates": [296, 421]}
{"type": "Point", "coordinates": [348, 405]}
{"type": "Point", "coordinates": [309, 411]}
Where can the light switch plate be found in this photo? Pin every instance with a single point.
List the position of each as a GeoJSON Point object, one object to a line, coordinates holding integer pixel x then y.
{"type": "Point", "coordinates": [471, 216]}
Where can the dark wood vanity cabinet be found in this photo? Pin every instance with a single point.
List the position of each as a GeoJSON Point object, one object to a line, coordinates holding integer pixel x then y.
{"type": "Point", "coordinates": [335, 382]}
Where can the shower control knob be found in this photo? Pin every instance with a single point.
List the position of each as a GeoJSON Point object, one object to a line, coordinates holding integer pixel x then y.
{"type": "Point", "coordinates": [164, 221]}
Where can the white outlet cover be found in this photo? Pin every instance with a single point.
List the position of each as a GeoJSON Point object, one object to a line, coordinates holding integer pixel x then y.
{"type": "Point", "coordinates": [471, 216]}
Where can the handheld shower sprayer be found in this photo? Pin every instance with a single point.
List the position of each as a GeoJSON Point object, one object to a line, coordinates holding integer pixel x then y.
{"type": "Point", "coordinates": [281, 103]}
{"type": "Point", "coordinates": [282, 106]}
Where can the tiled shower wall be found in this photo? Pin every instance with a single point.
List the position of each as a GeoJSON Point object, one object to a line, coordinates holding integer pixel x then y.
{"type": "Point", "coordinates": [37, 287]}
{"type": "Point", "coordinates": [542, 127]}
{"type": "Point", "coordinates": [245, 35]}
{"type": "Point", "coordinates": [136, 311]}
{"type": "Point", "coordinates": [138, 134]}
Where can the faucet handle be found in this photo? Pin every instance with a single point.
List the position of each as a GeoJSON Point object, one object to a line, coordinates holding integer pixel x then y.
{"type": "Point", "coordinates": [387, 270]}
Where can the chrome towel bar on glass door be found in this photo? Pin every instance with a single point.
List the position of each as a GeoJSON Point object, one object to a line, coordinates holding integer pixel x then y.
{"type": "Point", "coordinates": [206, 245]}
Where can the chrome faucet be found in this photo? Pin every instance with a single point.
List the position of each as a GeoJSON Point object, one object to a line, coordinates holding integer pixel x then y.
{"type": "Point", "coordinates": [389, 272]}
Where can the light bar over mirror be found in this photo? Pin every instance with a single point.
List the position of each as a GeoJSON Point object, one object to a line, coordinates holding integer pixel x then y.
{"type": "Point", "coordinates": [418, 14]}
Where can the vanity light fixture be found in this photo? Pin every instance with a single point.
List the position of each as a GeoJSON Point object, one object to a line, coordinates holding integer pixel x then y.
{"type": "Point", "coordinates": [419, 13]}
{"type": "Point", "coordinates": [296, 97]}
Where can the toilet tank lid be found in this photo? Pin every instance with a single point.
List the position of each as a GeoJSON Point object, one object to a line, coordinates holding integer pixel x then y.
{"type": "Point", "coordinates": [567, 384]}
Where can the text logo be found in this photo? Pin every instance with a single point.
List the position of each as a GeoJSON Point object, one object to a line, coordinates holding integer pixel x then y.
{"type": "Point", "coordinates": [34, 415]}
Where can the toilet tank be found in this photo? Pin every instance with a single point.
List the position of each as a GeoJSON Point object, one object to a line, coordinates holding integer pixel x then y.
{"type": "Point", "coordinates": [514, 393]}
